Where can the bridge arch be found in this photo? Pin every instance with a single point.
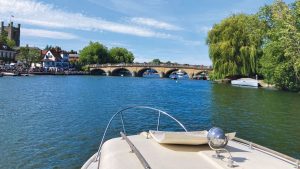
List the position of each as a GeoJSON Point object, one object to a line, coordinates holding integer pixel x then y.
{"type": "Point", "coordinates": [141, 72]}
{"type": "Point", "coordinates": [169, 72]}
{"type": "Point", "coordinates": [121, 72]}
{"type": "Point", "coordinates": [98, 72]}
{"type": "Point", "coordinates": [201, 75]}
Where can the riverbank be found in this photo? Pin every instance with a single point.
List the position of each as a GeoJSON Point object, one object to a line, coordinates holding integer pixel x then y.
{"type": "Point", "coordinates": [44, 73]}
{"type": "Point", "coordinates": [262, 84]}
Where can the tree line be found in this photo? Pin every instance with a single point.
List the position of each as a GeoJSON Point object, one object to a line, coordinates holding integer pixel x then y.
{"type": "Point", "coordinates": [266, 44]}
{"type": "Point", "coordinates": [97, 53]}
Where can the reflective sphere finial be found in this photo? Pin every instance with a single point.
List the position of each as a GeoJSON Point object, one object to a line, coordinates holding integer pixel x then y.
{"type": "Point", "coordinates": [217, 138]}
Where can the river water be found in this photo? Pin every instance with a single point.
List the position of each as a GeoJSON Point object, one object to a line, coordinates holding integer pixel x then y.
{"type": "Point", "coordinates": [57, 121]}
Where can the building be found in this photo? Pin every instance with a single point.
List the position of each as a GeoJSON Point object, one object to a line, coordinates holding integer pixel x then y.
{"type": "Point", "coordinates": [7, 55]}
{"type": "Point", "coordinates": [13, 33]}
{"type": "Point", "coordinates": [73, 58]}
{"type": "Point", "coordinates": [54, 60]}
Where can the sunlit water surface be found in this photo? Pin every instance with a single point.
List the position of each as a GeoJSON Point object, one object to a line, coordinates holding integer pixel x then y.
{"type": "Point", "coordinates": [57, 121]}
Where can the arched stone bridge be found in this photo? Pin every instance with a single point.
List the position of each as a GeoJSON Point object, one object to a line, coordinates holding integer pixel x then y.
{"type": "Point", "coordinates": [137, 70]}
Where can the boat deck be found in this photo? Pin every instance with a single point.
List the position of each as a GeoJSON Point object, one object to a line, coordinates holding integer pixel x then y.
{"type": "Point", "coordinates": [116, 154]}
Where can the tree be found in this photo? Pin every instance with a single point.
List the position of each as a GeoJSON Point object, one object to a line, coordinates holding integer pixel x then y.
{"type": "Point", "coordinates": [29, 55]}
{"type": "Point", "coordinates": [156, 61]}
{"type": "Point", "coordinates": [120, 55]}
{"type": "Point", "coordinates": [10, 43]}
{"type": "Point", "coordinates": [235, 46]}
{"type": "Point", "coordinates": [95, 52]}
{"type": "Point", "coordinates": [3, 36]}
{"type": "Point", "coordinates": [48, 47]}
{"type": "Point", "coordinates": [56, 48]}
{"type": "Point", "coordinates": [4, 40]}
{"type": "Point", "coordinates": [281, 53]}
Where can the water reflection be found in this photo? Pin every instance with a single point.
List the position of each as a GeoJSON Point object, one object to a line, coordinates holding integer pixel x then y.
{"type": "Point", "coordinates": [269, 118]}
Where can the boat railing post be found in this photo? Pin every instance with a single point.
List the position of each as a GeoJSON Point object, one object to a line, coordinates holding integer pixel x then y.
{"type": "Point", "coordinates": [121, 112]}
{"type": "Point", "coordinates": [122, 120]}
{"type": "Point", "coordinates": [158, 120]}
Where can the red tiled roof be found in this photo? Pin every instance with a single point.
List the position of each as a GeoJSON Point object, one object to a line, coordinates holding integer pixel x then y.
{"type": "Point", "coordinates": [44, 52]}
{"type": "Point", "coordinates": [54, 53]}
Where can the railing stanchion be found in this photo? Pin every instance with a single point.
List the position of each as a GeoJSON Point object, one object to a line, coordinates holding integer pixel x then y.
{"type": "Point", "coordinates": [123, 125]}
{"type": "Point", "coordinates": [158, 120]}
{"type": "Point", "coordinates": [121, 112]}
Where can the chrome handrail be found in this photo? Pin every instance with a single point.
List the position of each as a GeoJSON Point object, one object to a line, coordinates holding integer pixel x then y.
{"type": "Point", "coordinates": [122, 120]}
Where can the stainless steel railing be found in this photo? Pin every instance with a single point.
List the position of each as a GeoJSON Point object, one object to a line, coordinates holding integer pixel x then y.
{"type": "Point", "coordinates": [159, 112]}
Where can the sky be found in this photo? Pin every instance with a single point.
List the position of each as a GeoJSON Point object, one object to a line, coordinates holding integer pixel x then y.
{"type": "Point", "coordinates": [171, 30]}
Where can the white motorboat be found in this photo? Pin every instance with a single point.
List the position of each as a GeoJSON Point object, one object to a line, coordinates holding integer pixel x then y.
{"type": "Point", "coordinates": [9, 74]}
{"type": "Point", "coordinates": [211, 149]}
{"type": "Point", "coordinates": [245, 82]}
{"type": "Point", "coordinates": [180, 73]}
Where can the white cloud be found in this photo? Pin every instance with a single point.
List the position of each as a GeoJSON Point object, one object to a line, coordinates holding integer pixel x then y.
{"type": "Point", "coordinates": [47, 34]}
{"type": "Point", "coordinates": [204, 29]}
{"type": "Point", "coordinates": [154, 23]}
{"type": "Point", "coordinates": [46, 15]}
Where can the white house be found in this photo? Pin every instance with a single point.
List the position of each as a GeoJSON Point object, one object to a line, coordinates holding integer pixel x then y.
{"type": "Point", "coordinates": [53, 60]}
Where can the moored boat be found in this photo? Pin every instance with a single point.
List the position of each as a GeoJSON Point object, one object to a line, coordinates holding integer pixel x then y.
{"type": "Point", "coordinates": [10, 74]}
{"type": "Point", "coordinates": [245, 82]}
{"type": "Point", "coordinates": [156, 149]}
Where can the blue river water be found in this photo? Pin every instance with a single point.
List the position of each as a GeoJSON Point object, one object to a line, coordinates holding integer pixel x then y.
{"type": "Point", "coordinates": [58, 121]}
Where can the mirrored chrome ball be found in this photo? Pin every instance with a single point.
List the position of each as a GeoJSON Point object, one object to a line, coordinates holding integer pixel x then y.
{"type": "Point", "coordinates": [217, 138]}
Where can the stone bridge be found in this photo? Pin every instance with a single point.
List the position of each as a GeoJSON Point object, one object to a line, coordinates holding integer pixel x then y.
{"type": "Point", "coordinates": [137, 70]}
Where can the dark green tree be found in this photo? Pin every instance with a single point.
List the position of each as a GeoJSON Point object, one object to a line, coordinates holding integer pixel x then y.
{"type": "Point", "coordinates": [95, 52]}
{"type": "Point", "coordinates": [120, 55]}
{"type": "Point", "coordinates": [29, 55]}
{"type": "Point", "coordinates": [281, 53]}
{"type": "Point", "coordinates": [5, 40]}
{"type": "Point", "coordinates": [3, 36]}
{"type": "Point", "coordinates": [156, 61]}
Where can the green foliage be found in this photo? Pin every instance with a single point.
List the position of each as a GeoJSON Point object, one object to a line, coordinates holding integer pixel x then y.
{"type": "Point", "coordinates": [5, 40]}
{"type": "Point", "coordinates": [120, 55]}
{"type": "Point", "coordinates": [235, 46]}
{"type": "Point", "coordinates": [156, 61]}
{"type": "Point", "coordinates": [267, 43]}
{"type": "Point", "coordinates": [285, 77]}
{"type": "Point", "coordinates": [50, 47]}
{"type": "Point", "coordinates": [94, 53]}
{"type": "Point", "coordinates": [281, 53]}
{"type": "Point", "coordinates": [10, 43]}
{"type": "Point", "coordinates": [85, 68]}
{"type": "Point", "coordinates": [3, 36]}
{"type": "Point", "coordinates": [29, 55]}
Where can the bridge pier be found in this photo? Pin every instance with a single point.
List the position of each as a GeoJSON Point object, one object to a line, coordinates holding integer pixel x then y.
{"type": "Point", "coordinates": [162, 75]}
{"type": "Point", "coordinates": [191, 76]}
{"type": "Point", "coordinates": [134, 74]}
{"type": "Point", "coordinates": [108, 73]}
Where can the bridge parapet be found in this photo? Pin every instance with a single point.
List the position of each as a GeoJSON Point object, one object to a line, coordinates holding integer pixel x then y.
{"type": "Point", "coordinates": [152, 65]}
{"type": "Point", "coordinates": [164, 70]}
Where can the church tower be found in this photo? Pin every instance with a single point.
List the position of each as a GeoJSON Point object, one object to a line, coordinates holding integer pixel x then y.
{"type": "Point", "coordinates": [13, 33]}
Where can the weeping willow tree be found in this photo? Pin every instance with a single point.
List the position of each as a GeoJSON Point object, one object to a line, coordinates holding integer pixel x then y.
{"type": "Point", "coordinates": [235, 46]}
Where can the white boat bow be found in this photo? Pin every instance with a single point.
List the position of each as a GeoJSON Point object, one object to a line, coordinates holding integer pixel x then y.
{"type": "Point", "coordinates": [147, 151]}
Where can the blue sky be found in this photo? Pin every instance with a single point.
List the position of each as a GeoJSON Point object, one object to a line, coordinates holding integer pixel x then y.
{"type": "Point", "coordinates": [171, 30]}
